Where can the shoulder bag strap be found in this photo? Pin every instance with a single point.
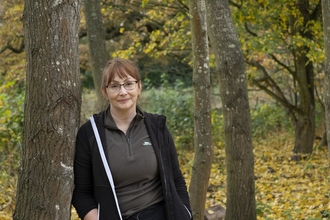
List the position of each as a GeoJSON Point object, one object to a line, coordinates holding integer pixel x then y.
{"type": "Point", "coordinates": [105, 163]}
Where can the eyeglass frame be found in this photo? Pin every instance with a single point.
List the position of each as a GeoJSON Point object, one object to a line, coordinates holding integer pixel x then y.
{"type": "Point", "coordinates": [122, 85]}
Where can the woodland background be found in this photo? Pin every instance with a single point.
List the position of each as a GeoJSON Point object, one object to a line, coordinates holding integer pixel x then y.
{"type": "Point", "coordinates": [156, 35]}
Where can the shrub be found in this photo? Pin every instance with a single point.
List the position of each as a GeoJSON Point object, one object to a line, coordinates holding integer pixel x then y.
{"type": "Point", "coordinates": [267, 118]}
{"type": "Point", "coordinates": [11, 121]}
{"type": "Point", "coordinates": [177, 106]}
{"type": "Point", "coordinates": [11, 124]}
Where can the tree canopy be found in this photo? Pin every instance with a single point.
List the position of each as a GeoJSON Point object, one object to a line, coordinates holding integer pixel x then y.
{"type": "Point", "coordinates": [282, 43]}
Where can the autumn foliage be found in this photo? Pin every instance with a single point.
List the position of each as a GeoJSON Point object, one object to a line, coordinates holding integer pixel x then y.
{"type": "Point", "coordinates": [288, 186]}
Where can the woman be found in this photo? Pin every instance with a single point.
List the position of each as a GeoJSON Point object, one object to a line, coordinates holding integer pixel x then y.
{"type": "Point", "coordinates": [144, 180]}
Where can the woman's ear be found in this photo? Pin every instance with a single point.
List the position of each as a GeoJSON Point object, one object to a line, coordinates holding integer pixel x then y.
{"type": "Point", "coordinates": [140, 86]}
{"type": "Point", "coordinates": [104, 92]}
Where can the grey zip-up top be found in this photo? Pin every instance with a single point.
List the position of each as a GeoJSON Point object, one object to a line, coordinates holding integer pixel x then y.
{"type": "Point", "coordinates": [92, 187]}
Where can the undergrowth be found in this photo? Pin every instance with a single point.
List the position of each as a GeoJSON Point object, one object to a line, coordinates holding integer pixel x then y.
{"type": "Point", "coordinates": [285, 188]}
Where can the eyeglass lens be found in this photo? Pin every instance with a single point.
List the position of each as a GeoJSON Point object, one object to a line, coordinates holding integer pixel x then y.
{"type": "Point", "coordinates": [127, 85]}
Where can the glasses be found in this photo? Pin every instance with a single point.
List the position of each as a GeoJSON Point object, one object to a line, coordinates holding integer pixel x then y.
{"type": "Point", "coordinates": [130, 85]}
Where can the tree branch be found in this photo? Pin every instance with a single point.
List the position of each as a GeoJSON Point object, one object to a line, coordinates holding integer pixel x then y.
{"type": "Point", "coordinates": [282, 64]}
{"type": "Point", "coordinates": [285, 103]}
{"type": "Point", "coordinates": [249, 30]}
{"type": "Point", "coordinates": [184, 5]}
{"type": "Point", "coordinates": [20, 49]}
{"type": "Point", "coordinates": [237, 5]}
{"type": "Point", "coordinates": [277, 94]}
{"type": "Point", "coordinates": [317, 12]}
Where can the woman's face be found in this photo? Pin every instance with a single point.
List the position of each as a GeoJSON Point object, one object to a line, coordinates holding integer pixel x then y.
{"type": "Point", "coordinates": [123, 99]}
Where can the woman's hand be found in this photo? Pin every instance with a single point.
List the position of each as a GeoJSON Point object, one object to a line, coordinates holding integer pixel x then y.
{"type": "Point", "coordinates": [91, 215]}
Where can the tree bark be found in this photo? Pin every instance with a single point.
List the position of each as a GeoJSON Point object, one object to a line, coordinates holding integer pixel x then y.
{"type": "Point", "coordinates": [97, 46]}
{"type": "Point", "coordinates": [51, 110]}
{"type": "Point", "coordinates": [305, 122]}
{"type": "Point", "coordinates": [237, 120]}
{"type": "Point", "coordinates": [326, 28]}
{"type": "Point", "coordinates": [202, 110]}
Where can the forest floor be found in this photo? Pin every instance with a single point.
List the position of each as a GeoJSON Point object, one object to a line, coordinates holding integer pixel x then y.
{"type": "Point", "coordinates": [285, 188]}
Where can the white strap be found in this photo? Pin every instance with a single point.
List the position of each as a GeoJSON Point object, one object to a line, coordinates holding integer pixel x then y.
{"type": "Point", "coordinates": [105, 163]}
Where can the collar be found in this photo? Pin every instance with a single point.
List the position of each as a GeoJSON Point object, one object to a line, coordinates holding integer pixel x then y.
{"type": "Point", "coordinates": [109, 122]}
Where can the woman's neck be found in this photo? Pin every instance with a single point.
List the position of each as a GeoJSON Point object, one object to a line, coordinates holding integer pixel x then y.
{"type": "Point", "coordinates": [122, 117]}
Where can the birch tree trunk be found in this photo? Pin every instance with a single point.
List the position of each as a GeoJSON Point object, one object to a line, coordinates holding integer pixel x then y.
{"type": "Point", "coordinates": [326, 28]}
{"type": "Point", "coordinates": [202, 110]}
{"type": "Point", "coordinates": [97, 47]}
{"type": "Point", "coordinates": [237, 120]}
{"type": "Point", "coordinates": [51, 111]}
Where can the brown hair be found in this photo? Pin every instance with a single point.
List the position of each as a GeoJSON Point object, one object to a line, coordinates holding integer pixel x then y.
{"type": "Point", "coordinates": [122, 68]}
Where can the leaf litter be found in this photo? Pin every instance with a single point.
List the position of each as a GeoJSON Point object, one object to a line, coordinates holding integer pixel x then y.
{"type": "Point", "coordinates": [287, 186]}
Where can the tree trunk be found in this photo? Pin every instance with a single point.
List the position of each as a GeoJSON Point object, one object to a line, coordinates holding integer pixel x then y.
{"type": "Point", "coordinates": [51, 111]}
{"type": "Point", "coordinates": [237, 120]}
{"type": "Point", "coordinates": [326, 28]}
{"type": "Point", "coordinates": [305, 122]}
{"type": "Point", "coordinates": [97, 46]}
{"type": "Point", "coordinates": [202, 110]}
{"type": "Point", "coordinates": [323, 142]}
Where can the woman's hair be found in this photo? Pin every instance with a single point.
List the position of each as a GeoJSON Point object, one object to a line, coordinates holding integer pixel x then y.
{"type": "Point", "coordinates": [120, 67]}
